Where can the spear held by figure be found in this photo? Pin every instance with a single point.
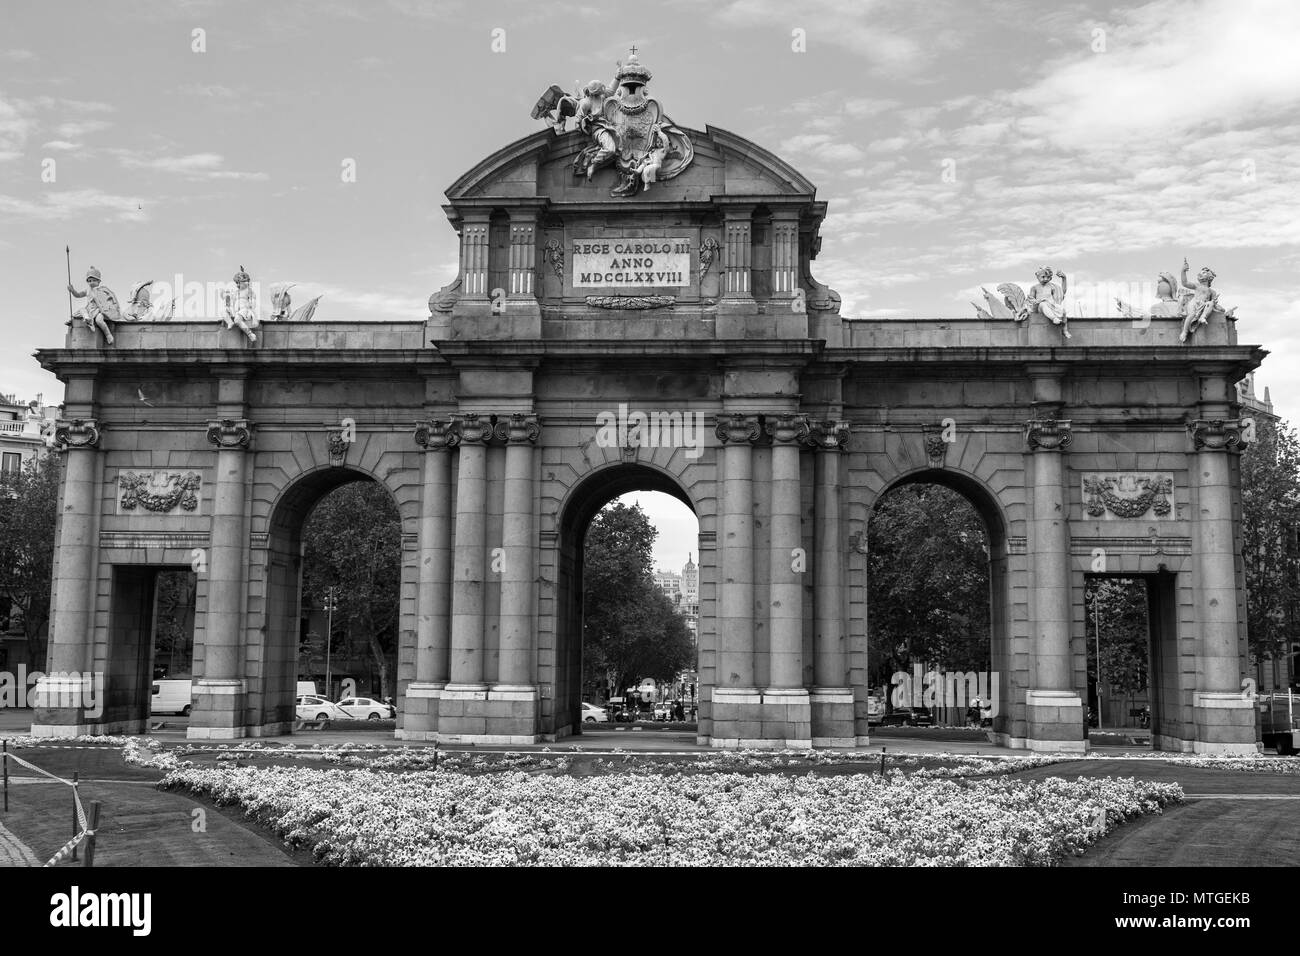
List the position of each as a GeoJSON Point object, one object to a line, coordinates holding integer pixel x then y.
{"type": "Point", "coordinates": [67, 251]}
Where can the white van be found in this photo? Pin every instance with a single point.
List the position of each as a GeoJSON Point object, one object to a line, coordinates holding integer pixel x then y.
{"type": "Point", "coordinates": [172, 697]}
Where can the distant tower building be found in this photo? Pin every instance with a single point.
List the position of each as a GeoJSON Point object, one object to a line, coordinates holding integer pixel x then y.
{"type": "Point", "coordinates": [690, 582]}
{"type": "Point", "coordinates": [1251, 404]}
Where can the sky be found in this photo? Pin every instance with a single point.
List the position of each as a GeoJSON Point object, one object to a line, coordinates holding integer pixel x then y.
{"type": "Point", "coordinates": [958, 144]}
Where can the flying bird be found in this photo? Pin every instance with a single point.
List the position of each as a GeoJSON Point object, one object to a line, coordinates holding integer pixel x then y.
{"type": "Point", "coordinates": [140, 392]}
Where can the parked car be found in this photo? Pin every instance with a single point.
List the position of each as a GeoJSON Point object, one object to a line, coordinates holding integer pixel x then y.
{"type": "Point", "coordinates": [363, 708]}
{"type": "Point", "coordinates": [591, 714]}
{"type": "Point", "coordinates": [315, 707]}
{"type": "Point", "coordinates": [907, 716]}
{"type": "Point", "coordinates": [172, 697]}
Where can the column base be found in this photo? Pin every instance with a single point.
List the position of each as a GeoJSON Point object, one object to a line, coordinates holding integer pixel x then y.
{"type": "Point", "coordinates": [218, 710]}
{"type": "Point", "coordinates": [420, 711]}
{"type": "Point", "coordinates": [1056, 723]}
{"type": "Point", "coordinates": [502, 715]}
{"type": "Point", "coordinates": [1225, 723]}
{"type": "Point", "coordinates": [832, 718]}
{"type": "Point", "coordinates": [73, 728]}
{"type": "Point", "coordinates": [737, 717]}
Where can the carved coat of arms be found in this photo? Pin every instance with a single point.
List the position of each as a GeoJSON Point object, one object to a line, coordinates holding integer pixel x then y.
{"type": "Point", "coordinates": [629, 131]}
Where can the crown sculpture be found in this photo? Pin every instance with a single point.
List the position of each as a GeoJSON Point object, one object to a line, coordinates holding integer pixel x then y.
{"type": "Point", "coordinates": [629, 131]}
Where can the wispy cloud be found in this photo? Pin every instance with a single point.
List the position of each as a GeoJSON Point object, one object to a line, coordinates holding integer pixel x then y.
{"type": "Point", "coordinates": [190, 166]}
{"type": "Point", "coordinates": [67, 204]}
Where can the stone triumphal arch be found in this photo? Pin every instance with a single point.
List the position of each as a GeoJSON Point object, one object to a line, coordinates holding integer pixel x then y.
{"type": "Point", "coordinates": [636, 309]}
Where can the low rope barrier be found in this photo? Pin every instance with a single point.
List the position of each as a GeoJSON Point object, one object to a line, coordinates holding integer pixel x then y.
{"type": "Point", "coordinates": [84, 825]}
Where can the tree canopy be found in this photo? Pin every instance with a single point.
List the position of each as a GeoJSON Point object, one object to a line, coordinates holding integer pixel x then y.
{"type": "Point", "coordinates": [1270, 500]}
{"type": "Point", "coordinates": [631, 630]}
{"type": "Point", "coordinates": [28, 508]}
{"type": "Point", "coordinates": [352, 540]}
{"type": "Point", "coordinates": [928, 582]}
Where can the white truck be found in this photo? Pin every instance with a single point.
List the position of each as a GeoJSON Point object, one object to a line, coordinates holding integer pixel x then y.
{"type": "Point", "coordinates": [1279, 722]}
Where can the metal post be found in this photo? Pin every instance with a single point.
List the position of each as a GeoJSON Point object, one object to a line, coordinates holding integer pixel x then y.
{"type": "Point", "coordinates": [331, 602]}
{"type": "Point", "coordinates": [1096, 633]}
{"type": "Point", "coordinates": [5, 760]}
{"type": "Point", "coordinates": [76, 825]}
{"type": "Point", "coordinates": [93, 825]}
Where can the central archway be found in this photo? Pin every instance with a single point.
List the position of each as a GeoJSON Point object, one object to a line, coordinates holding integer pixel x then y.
{"type": "Point", "coordinates": [954, 690]}
{"type": "Point", "coordinates": [271, 700]}
{"type": "Point", "coordinates": [578, 511]}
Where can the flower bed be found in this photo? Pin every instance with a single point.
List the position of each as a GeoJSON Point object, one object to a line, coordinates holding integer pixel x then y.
{"type": "Point", "coordinates": [364, 817]}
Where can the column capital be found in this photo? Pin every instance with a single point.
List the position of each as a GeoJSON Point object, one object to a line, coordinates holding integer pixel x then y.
{"type": "Point", "coordinates": [1215, 434]}
{"type": "Point", "coordinates": [1048, 434]}
{"type": "Point", "coordinates": [787, 429]}
{"type": "Point", "coordinates": [76, 433]}
{"type": "Point", "coordinates": [433, 435]}
{"type": "Point", "coordinates": [518, 429]}
{"type": "Point", "coordinates": [737, 429]}
{"type": "Point", "coordinates": [828, 435]}
{"type": "Point", "coordinates": [468, 429]}
{"type": "Point", "coordinates": [230, 432]}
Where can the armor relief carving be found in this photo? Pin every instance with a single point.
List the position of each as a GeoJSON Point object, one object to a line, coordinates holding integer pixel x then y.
{"type": "Point", "coordinates": [1128, 495]}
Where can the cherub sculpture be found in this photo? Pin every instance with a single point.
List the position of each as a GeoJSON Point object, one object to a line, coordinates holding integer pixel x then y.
{"type": "Point", "coordinates": [654, 160]}
{"type": "Point", "coordinates": [241, 305]}
{"type": "Point", "coordinates": [101, 305]}
{"type": "Point", "coordinates": [1203, 303]}
{"type": "Point", "coordinates": [1048, 299]}
{"type": "Point", "coordinates": [1045, 297]}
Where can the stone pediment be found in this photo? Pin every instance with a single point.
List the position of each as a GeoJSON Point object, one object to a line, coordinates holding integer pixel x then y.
{"type": "Point", "coordinates": [541, 166]}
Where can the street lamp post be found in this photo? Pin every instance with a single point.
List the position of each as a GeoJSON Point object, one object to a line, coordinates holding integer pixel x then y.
{"type": "Point", "coordinates": [331, 605]}
{"type": "Point", "coordinates": [1096, 633]}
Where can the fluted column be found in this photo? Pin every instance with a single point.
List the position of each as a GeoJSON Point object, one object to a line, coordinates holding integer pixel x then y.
{"type": "Point", "coordinates": [474, 256]}
{"type": "Point", "coordinates": [467, 639]}
{"type": "Point", "coordinates": [785, 585]}
{"type": "Point", "coordinates": [737, 236]}
{"type": "Point", "coordinates": [523, 255]}
{"type": "Point", "coordinates": [433, 600]}
{"type": "Point", "coordinates": [518, 617]}
{"type": "Point", "coordinates": [735, 665]}
{"type": "Point", "coordinates": [785, 254]}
